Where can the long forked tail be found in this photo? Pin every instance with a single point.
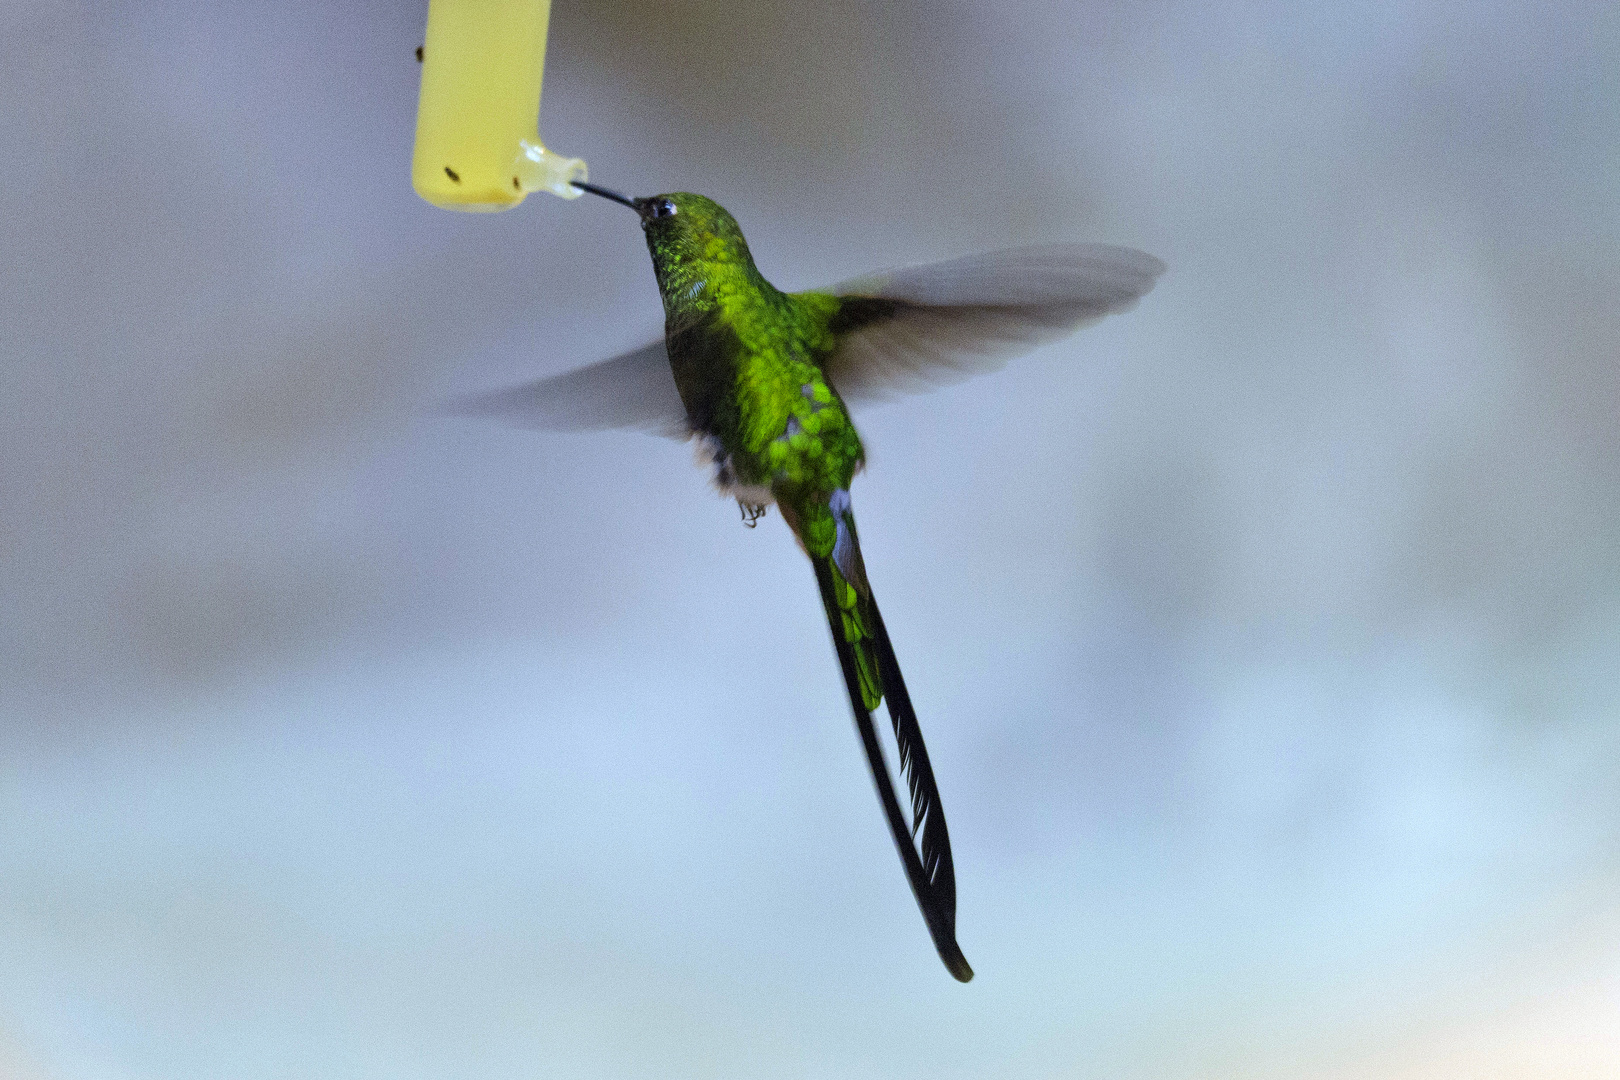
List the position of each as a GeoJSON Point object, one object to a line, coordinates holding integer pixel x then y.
{"type": "Point", "coordinates": [870, 673]}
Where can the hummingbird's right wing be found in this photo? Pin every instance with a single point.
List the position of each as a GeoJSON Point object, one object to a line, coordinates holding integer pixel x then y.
{"type": "Point", "coordinates": [918, 327]}
{"type": "Point", "coordinates": [632, 390]}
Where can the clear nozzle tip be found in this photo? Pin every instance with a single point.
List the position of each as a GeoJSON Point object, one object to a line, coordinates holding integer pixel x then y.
{"type": "Point", "coordinates": [538, 169]}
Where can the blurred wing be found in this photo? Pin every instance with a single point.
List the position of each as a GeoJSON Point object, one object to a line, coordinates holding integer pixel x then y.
{"type": "Point", "coordinates": [908, 330]}
{"type": "Point", "coordinates": [633, 390]}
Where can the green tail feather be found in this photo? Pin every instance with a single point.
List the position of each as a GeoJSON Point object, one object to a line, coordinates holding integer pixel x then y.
{"type": "Point", "coordinates": [854, 621]}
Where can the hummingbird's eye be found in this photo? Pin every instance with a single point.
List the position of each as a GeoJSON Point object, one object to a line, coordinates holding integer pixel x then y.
{"type": "Point", "coordinates": [662, 208]}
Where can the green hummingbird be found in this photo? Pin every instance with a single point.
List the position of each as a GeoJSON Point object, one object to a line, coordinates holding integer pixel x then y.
{"type": "Point", "coordinates": [763, 379]}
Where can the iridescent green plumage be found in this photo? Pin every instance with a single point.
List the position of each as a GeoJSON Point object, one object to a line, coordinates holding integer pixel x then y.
{"type": "Point", "coordinates": [747, 357]}
{"type": "Point", "coordinates": [747, 362]}
{"type": "Point", "coordinates": [762, 378]}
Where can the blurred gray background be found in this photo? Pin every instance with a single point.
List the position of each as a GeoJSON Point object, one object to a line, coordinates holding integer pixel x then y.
{"type": "Point", "coordinates": [1264, 636]}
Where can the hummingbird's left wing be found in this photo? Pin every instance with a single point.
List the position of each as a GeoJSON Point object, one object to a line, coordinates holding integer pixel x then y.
{"type": "Point", "coordinates": [917, 327]}
{"type": "Point", "coordinates": [632, 390]}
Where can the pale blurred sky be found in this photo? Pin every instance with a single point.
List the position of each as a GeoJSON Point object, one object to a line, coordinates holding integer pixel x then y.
{"type": "Point", "coordinates": [1264, 636]}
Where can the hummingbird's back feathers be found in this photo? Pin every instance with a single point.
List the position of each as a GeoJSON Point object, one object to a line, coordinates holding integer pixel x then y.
{"type": "Point", "coordinates": [918, 327]}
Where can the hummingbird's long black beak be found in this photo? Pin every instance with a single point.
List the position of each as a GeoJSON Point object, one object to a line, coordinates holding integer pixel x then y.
{"type": "Point", "coordinates": [608, 193]}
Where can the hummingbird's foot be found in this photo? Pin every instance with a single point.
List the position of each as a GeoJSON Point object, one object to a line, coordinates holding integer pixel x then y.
{"type": "Point", "coordinates": [751, 512]}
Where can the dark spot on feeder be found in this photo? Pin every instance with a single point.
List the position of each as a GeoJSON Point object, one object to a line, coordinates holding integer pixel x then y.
{"type": "Point", "coordinates": [515, 185]}
{"type": "Point", "coordinates": [451, 173]}
{"type": "Point", "coordinates": [419, 54]}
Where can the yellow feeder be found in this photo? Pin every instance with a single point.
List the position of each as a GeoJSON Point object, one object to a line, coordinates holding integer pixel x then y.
{"type": "Point", "coordinates": [478, 119]}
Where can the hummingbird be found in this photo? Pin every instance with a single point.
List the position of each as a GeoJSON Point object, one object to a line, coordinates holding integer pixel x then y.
{"type": "Point", "coordinates": [763, 381]}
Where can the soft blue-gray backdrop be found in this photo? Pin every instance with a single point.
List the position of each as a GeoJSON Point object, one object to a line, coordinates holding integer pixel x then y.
{"type": "Point", "coordinates": [1265, 637]}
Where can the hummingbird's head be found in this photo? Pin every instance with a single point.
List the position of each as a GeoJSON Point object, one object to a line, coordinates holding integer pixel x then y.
{"type": "Point", "coordinates": [688, 235]}
{"type": "Point", "coordinates": [683, 214]}
{"type": "Point", "coordinates": [691, 230]}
